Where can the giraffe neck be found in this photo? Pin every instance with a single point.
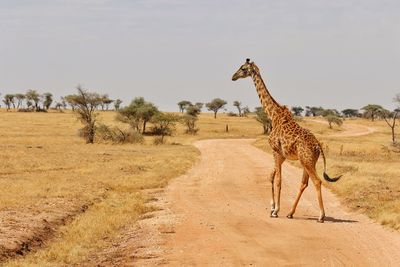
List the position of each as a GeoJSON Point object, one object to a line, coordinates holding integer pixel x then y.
{"type": "Point", "coordinates": [270, 106]}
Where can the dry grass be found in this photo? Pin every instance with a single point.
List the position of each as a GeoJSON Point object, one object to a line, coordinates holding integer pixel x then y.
{"type": "Point", "coordinates": [47, 170]}
{"type": "Point", "coordinates": [87, 193]}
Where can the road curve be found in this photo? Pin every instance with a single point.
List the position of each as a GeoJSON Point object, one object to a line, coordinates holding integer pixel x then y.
{"type": "Point", "coordinates": [350, 130]}
{"type": "Point", "coordinates": [222, 220]}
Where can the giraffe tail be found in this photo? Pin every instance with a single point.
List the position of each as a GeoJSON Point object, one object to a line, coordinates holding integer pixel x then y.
{"type": "Point", "coordinates": [326, 176]}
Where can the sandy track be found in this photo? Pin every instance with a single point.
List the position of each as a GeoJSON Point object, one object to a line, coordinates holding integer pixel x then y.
{"type": "Point", "coordinates": [349, 129]}
{"type": "Point", "coordinates": [222, 219]}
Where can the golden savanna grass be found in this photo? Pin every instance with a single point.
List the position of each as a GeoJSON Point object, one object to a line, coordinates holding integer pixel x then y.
{"type": "Point", "coordinates": [46, 168]}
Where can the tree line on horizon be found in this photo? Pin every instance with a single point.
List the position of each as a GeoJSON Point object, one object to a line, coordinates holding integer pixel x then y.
{"type": "Point", "coordinates": [32, 100]}
{"type": "Point", "coordinates": [144, 111]}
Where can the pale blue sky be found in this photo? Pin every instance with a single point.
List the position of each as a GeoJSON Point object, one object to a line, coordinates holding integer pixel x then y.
{"type": "Point", "coordinates": [338, 54]}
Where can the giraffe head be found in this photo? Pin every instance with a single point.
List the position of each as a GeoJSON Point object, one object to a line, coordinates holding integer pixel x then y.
{"type": "Point", "coordinates": [246, 70]}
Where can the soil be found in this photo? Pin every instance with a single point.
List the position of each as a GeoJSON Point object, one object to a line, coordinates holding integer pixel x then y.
{"type": "Point", "coordinates": [218, 214]}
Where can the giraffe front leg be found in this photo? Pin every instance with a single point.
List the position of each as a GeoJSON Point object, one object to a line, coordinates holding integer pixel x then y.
{"type": "Point", "coordinates": [278, 195]}
{"type": "Point", "coordinates": [279, 159]}
{"type": "Point", "coordinates": [304, 184]}
{"type": "Point", "coordinates": [272, 178]}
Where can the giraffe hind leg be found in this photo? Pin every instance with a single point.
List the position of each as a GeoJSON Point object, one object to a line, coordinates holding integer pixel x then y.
{"type": "Point", "coordinates": [303, 186]}
{"type": "Point", "coordinates": [317, 183]}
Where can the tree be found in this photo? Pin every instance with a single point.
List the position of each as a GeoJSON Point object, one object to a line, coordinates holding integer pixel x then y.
{"type": "Point", "coordinates": [327, 112]}
{"type": "Point", "coordinates": [238, 105]}
{"type": "Point", "coordinates": [117, 104]}
{"type": "Point", "coordinates": [190, 118]}
{"type": "Point", "coordinates": [199, 105]}
{"type": "Point", "coordinates": [63, 102]}
{"type": "Point", "coordinates": [193, 110]}
{"type": "Point", "coordinates": [333, 119]}
{"type": "Point", "coordinates": [314, 111]}
{"type": "Point", "coordinates": [70, 100]}
{"type": "Point", "coordinates": [9, 100]}
{"type": "Point", "coordinates": [47, 100]}
{"type": "Point", "coordinates": [371, 111]}
{"type": "Point", "coordinates": [20, 98]}
{"type": "Point", "coordinates": [164, 124]}
{"type": "Point", "coordinates": [183, 105]}
{"type": "Point", "coordinates": [245, 111]}
{"type": "Point", "coordinates": [215, 105]}
{"type": "Point", "coordinates": [350, 113]}
{"type": "Point", "coordinates": [297, 110]}
{"type": "Point", "coordinates": [58, 106]}
{"type": "Point", "coordinates": [33, 97]}
{"type": "Point", "coordinates": [105, 101]}
{"type": "Point", "coordinates": [263, 118]}
{"type": "Point", "coordinates": [190, 122]}
{"type": "Point", "coordinates": [390, 119]}
{"type": "Point", "coordinates": [138, 114]}
{"type": "Point", "coordinates": [86, 104]}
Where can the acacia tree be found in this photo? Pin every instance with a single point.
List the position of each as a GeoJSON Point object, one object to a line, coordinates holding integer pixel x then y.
{"type": "Point", "coordinates": [215, 105]}
{"type": "Point", "coordinates": [183, 105]}
{"type": "Point", "coordinates": [105, 101]}
{"type": "Point", "coordinates": [263, 118]}
{"type": "Point", "coordinates": [33, 99]}
{"type": "Point", "coordinates": [86, 104]}
{"type": "Point", "coordinates": [245, 111]}
{"type": "Point", "coordinates": [238, 105]}
{"type": "Point", "coordinates": [390, 119]}
{"type": "Point", "coordinates": [20, 98]}
{"type": "Point", "coordinates": [163, 124]}
{"type": "Point", "coordinates": [371, 111]}
{"type": "Point", "coordinates": [350, 113]}
{"type": "Point", "coordinates": [138, 114]}
{"type": "Point", "coordinates": [190, 119]}
{"type": "Point", "coordinates": [199, 105]}
{"type": "Point", "coordinates": [9, 100]}
{"type": "Point", "coordinates": [117, 104]}
{"type": "Point", "coordinates": [314, 111]}
{"type": "Point", "coordinates": [333, 119]}
{"type": "Point", "coordinates": [47, 100]}
{"type": "Point", "coordinates": [70, 100]}
{"type": "Point", "coordinates": [297, 110]}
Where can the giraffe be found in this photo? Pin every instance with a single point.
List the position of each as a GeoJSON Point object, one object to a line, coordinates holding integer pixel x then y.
{"type": "Point", "coordinates": [288, 140]}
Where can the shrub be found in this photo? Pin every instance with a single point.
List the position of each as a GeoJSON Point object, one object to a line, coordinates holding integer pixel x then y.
{"type": "Point", "coordinates": [232, 114]}
{"type": "Point", "coordinates": [163, 124]}
{"type": "Point", "coordinates": [190, 122]}
{"type": "Point", "coordinates": [116, 135]}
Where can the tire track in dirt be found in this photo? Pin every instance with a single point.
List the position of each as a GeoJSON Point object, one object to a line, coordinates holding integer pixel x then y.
{"type": "Point", "coordinates": [218, 215]}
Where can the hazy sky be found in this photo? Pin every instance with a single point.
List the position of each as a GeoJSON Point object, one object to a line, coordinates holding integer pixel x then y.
{"type": "Point", "coordinates": [338, 54]}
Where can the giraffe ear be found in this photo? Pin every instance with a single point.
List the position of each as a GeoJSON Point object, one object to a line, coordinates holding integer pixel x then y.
{"type": "Point", "coordinates": [247, 60]}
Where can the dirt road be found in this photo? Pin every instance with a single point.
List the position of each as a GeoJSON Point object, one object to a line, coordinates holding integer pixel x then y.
{"type": "Point", "coordinates": [349, 129]}
{"type": "Point", "coordinates": [216, 215]}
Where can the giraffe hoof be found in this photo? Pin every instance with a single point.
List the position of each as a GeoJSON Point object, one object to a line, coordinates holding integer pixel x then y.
{"type": "Point", "coordinates": [273, 215]}
{"type": "Point", "coordinates": [320, 221]}
{"type": "Point", "coordinates": [290, 216]}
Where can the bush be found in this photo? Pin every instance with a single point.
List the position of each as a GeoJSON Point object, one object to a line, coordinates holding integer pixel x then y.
{"type": "Point", "coordinates": [25, 110]}
{"type": "Point", "coordinates": [163, 125]}
{"type": "Point", "coordinates": [190, 122]}
{"type": "Point", "coordinates": [232, 114]}
{"type": "Point", "coordinates": [116, 135]}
